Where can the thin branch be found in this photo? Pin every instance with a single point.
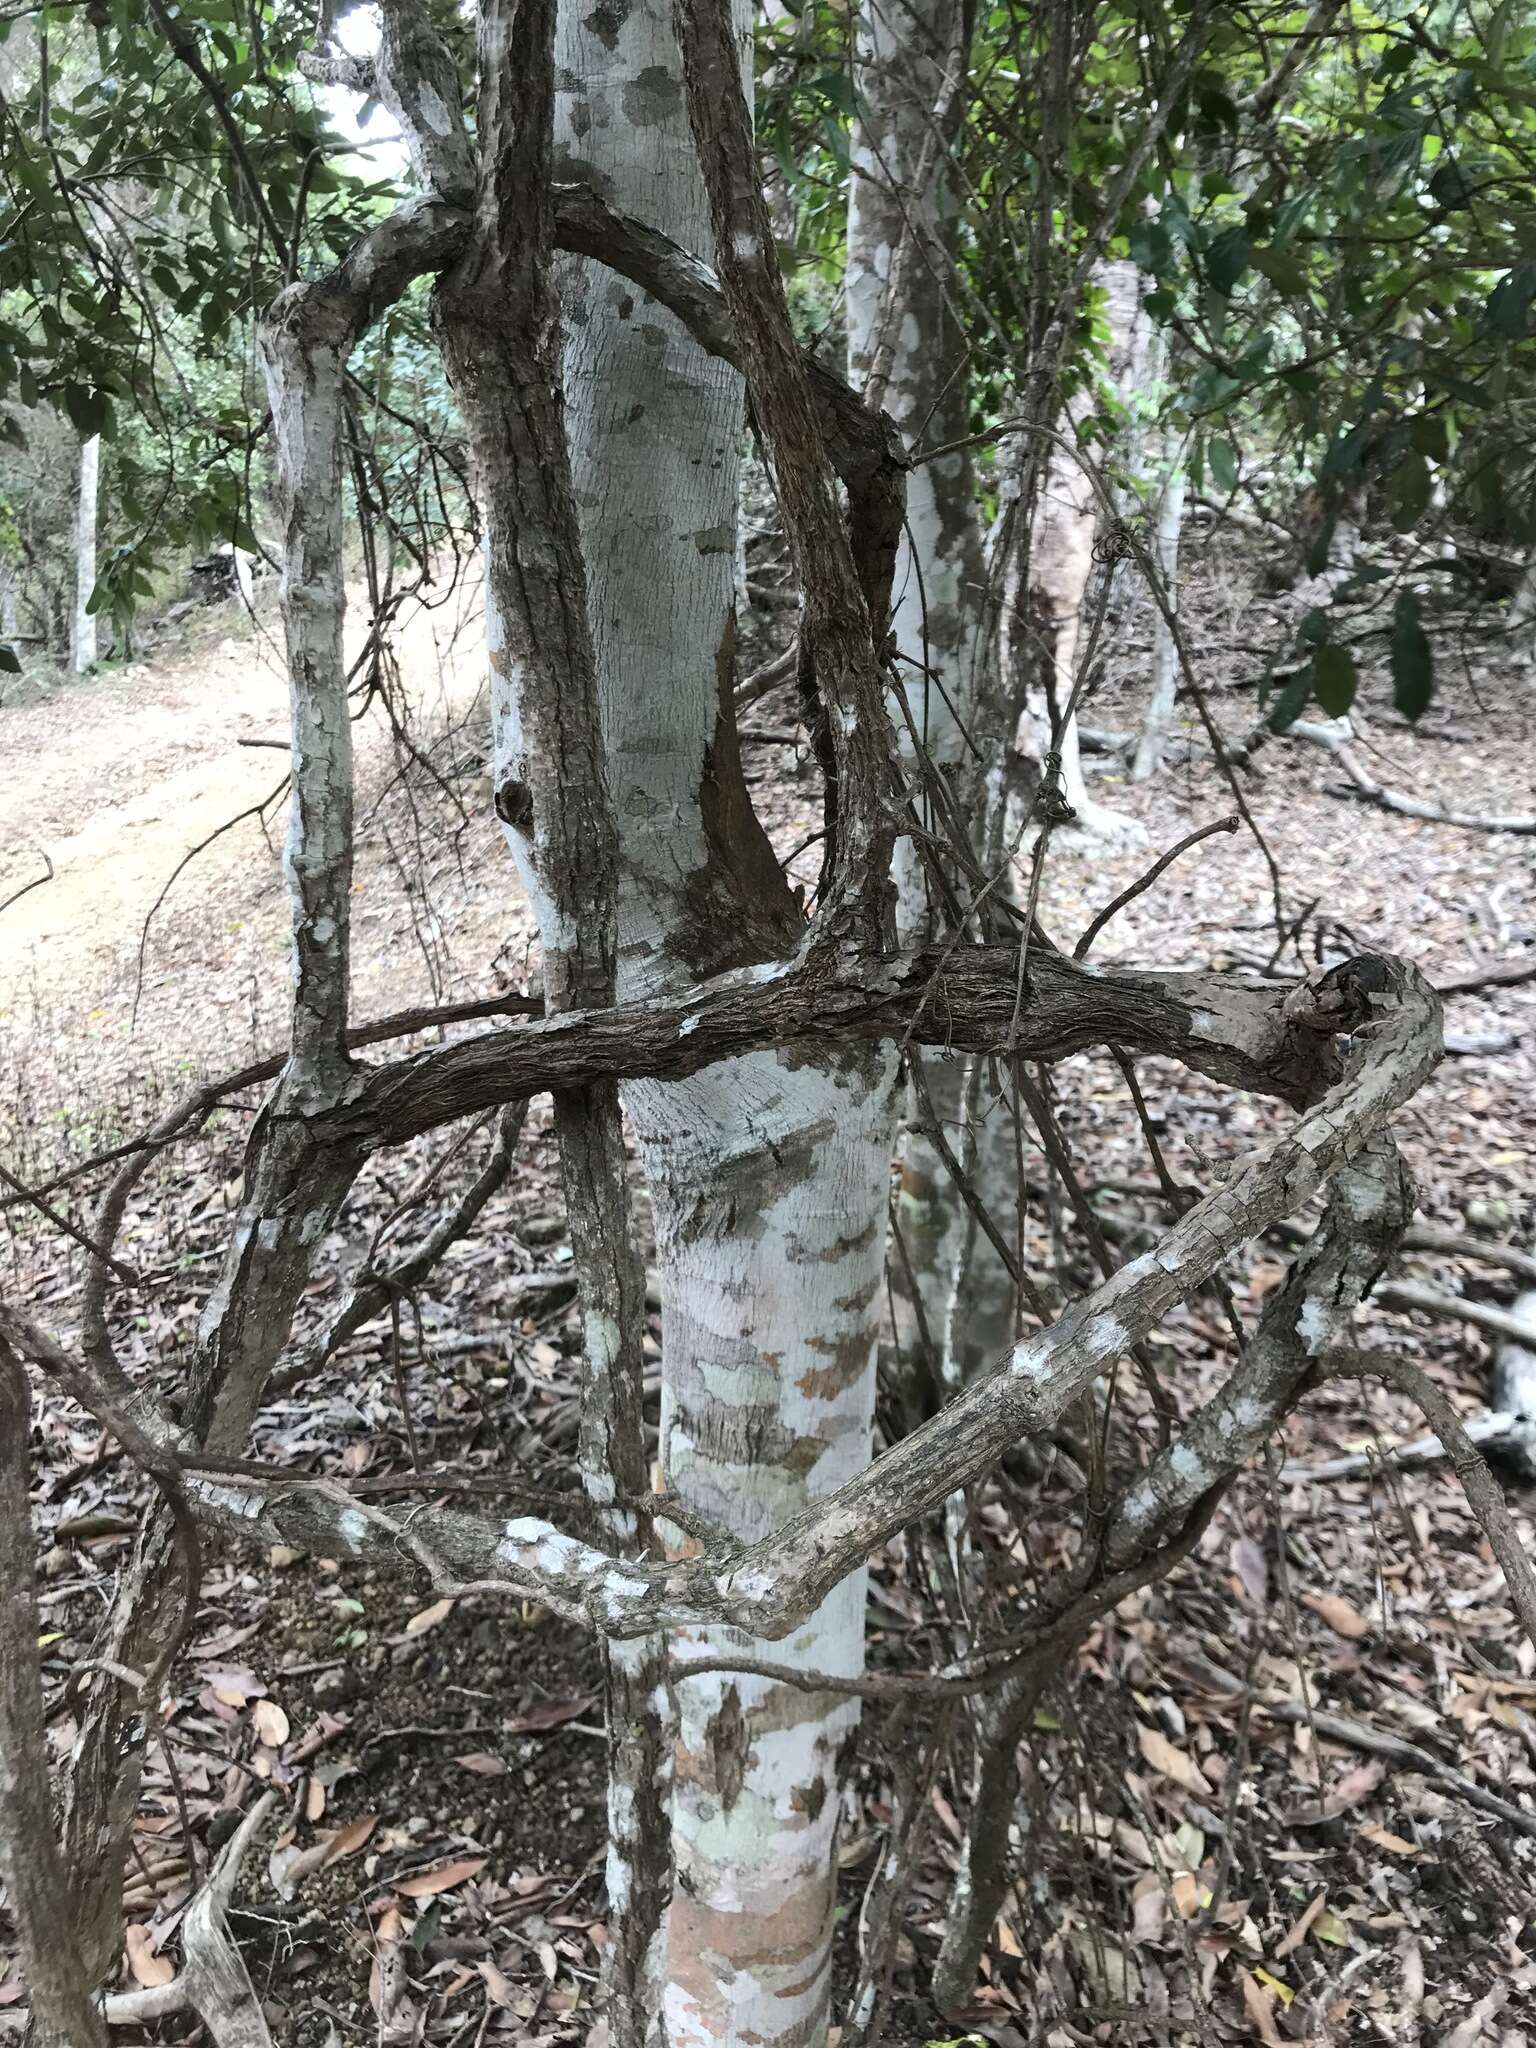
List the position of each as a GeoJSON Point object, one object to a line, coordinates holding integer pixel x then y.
{"type": "Point", "coordinates": [1139, 888]}
{"type": "Point", "coordinates": [27, 887]}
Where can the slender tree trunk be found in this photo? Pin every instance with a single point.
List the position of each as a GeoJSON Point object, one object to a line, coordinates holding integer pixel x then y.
{"type": "Point", "coordinates": [906, 348]}
{"type": "Point", "coordinates": [768, 1174]}
{"type": "Point", "coordinates": [64, 2013]}
{"type": "Point", "coordinates": [82, 643]}
{"type": "Point", "coordinates": [1056, 625]}
{"type": "Point", "coordinates": [1165, 662]}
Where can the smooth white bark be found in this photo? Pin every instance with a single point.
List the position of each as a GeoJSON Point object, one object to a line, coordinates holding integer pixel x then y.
{"type": "Point", "coordinates": [83, 638]}
{"type": "Point", "coordinates": [1060, 582]}
{"type": "Point", "coordinates": [1165, 658]}
{"type": "Point", "coordinates": [768, 1174]}
{"type": "Point", "coordinates": [953, 1298]}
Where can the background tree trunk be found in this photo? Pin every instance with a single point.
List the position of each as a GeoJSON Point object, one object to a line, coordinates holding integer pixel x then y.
{"type": "Point", "coordinates": [768, 1174]}
{"type": "Point", "coordinates": [82, 640]}
{"type": "Point", "coordinates": [1165, 661]}
{"type": "Point", "coordinates": [1061, 576]}
{"type": "Point", "coordinates": [906, 347]}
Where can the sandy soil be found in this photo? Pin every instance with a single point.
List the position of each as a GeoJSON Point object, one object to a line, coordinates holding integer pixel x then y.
{"type": "Point", "coordinates": [118, 779]}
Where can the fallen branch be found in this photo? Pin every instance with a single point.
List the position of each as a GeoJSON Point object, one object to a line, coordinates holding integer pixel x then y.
{"type": "Point", "coordinates": [1370, 1741]}
{"type": "Point", "coordinates": [1364, 785]}
{"type": "Point", "coordinates": [1432, 1301]}
{"type": "Point", "coordinates": [1499, 1431]}
{"type": "Point", "coordinates": [1429, 1237]}
{"type": "Point", "coordinates": [213, 1981]}
{"type": "Point", "coordinates": [1507, 974]}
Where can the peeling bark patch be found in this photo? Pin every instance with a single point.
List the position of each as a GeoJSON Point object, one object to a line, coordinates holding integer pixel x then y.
{"type": "Point", "coordinates": [729, 1746]}
{"type": "Point", "coordinates": [514, 805]}
{"type": "Point", "coordinates": [810, 1799]}
{"type": "Point", "coordinates": [715, 540]}
{"type": "Point", "coordinates": [605, 21]}
{"type": "Point", "coordinates": [651, 97]}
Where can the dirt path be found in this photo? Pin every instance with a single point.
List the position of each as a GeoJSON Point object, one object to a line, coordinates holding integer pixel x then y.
{"type": "Point", "coordinates": [118, 779]}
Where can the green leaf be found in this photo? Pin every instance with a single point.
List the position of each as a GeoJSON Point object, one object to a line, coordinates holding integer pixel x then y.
{"type": "Point", "coordinates": [1151, 246]}
{"type": "Point", "coordinates": [1509, 304]}
{"type": "Point", "coordinates": [1430, 436]}
{"type": "Point", "coordinates": [1334, 679]}
{"type": "Point", "coordinates": [1413, 668]}
{"type": "Point", "coordinates": [1317, 554]}
{"type": "Point", "coordinates": [1227, 259]}
{"type": "Point", "coordinates": [1223, 459]}
{"type": "Point", "coordinates": [1286, 272]}
{"type": "Point", "coordinates": [1409, 491]}
{"type": "Point", "coordinates": [10, 661]}
{"type": "Point", "coordinates": [1292, 700]}
{"type": "Point", "coordinates": [1315, 627]}
{"type": "Point", "coordinates": [87, 409]}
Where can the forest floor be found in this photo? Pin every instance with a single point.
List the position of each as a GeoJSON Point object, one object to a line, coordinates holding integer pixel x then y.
{"type": "Point", "coordinates": [1208, 1864]}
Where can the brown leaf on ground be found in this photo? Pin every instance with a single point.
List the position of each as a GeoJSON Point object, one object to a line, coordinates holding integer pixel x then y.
{"type": "Point", "coordinates": [1171, 1762]}
{"type": "Point", "coordinates": [549, 1714]}
{"type": "Point", "coordinates": [146, 1968]}
{"type": "Point", "coordinates": [1341, 1617]}
{"type": "Point", "coordinates": [428, 1883]}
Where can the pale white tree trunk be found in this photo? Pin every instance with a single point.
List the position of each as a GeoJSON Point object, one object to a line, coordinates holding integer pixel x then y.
{"type": "Point", "coordinates": [768, 1174]}
{"type": "Point", "coordinates": [1165, 660]}
{"type": "Point", "coordinates": [904, 337]}
{"type": "Point", "coordinates": [1060, 576]}
{"type": "Point", "coordinates": [82, 643]}
{"type": "Point", "coordinates": [1522, 614]}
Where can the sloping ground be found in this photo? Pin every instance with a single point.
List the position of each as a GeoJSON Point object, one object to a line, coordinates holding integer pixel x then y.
{"type": "Point", "coordinates": [1213, 1870]}
{"type": "Point", "coordinates": [118, 779]}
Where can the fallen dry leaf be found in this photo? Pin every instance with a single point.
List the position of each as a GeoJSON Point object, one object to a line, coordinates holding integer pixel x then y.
{"type": "Point", "coordinates": [428, 1883]}
{"type": "Point", "coordinates": [1300, 1926]}
{"type": "Point", "coordinates": [429, 1617]}
{"type": "Point", "coordinates": [1383, 1838]}
{"type": "Point", "coordinates": [1149, 1909]}
{"type": "Point", "coordinates": [148, 1969]}
{"type": "Point", "coordinates": [498, 1989]}
{"type": "Point", "coordinates": [1170, 1762]}
{"type": "Point", "coordinates": [270, 1723]}
{"type": "Point", "coordinates": [1251, 1568]}
{"type": "Point", "coordinates": [1343, 1619]}
{"type": "Point", "coordinates": [1261, 2010]}
{"type": "Point", "coordinates": [289, 1867]}
{"type": "Point", "coordinates": [486, 1766]}
{"type": "Point", "coordinates": [549, 1714]}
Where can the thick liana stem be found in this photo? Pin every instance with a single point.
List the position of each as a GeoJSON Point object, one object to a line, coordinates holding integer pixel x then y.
{"type": "Point", "coordinates": [841, 611]}
{"type": "Point", "coordinates": [1370, 1201]}
{"type": "Point", "coordinates": [498, 322]}
{"type": "Point", "coordinates": [294, 1186]}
